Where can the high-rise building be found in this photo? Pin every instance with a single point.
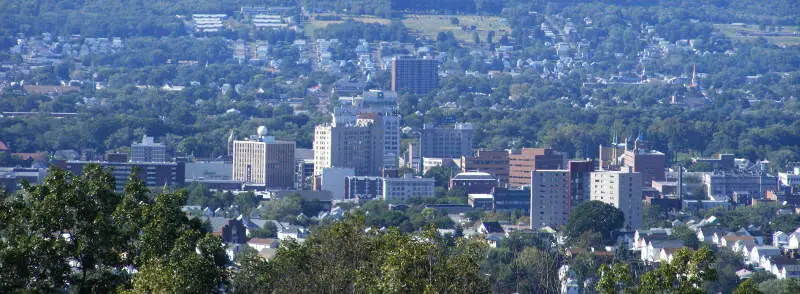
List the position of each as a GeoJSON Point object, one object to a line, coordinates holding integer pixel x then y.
{"type": "Point", "coordinates": [148, 151]}
{"type": "Point", "coordinates": [492, 162]}
{"type": "Point", "coordinates": [648, 162]}
{"type": "Point", "coordinates": [446, 142]}
{"type": "Point", "coordinates": [579, 184]}
{"type": "Point", "coordinates": [264, 161]}
{"type": "Point", "coordinates": [379, 103]}
{"type": "Point", "coordinates": [414, 75]}
{"type": "Point", "coordinates": [550, 199]}
{"type": "Point", "coordinates": [348, 143]}
{"type": "Point", "coordinates": [623, 190]}
{"type": "Point", "coordinates": [529, 159]}
{"type": "Point", "coordinates": [412, 158]}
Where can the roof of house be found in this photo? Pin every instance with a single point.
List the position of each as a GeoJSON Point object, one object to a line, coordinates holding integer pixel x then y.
{"type": "Point", "coordinates": [265, 241]}
{"type": "Point", "coordinates": [732, 239]}
{"type": "Point", "coordinates": [493, 227]}
{"type": "Point", "coordinates": [781, 260]}
{"type": "Point", "coordinates": [3, 146]}
{"type": "Point", "coordinates": [472, 176]}
{"type": "Point", "coordinates": [767, 250]}
{"type": "Point", "coordinates": [667, 243]}
{"type": "Point", "coordinates": [710, 231]}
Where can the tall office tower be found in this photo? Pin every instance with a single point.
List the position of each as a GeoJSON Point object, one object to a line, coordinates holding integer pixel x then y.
{"type": "Point", "coordinates": [148, 151]}
{"type": "Point", "coordinates": [550, 198]}
{"type": "Point", "coordinates": [579, 184]}
{"type": "Point", "coordinates": [446, 142]}
{"type": "Point", "coordinates": [412, 158]}
{"type": "Point", "coordinates": [623, 190]}
{"type": "Point", "coordinates": [264, 161]}
{"type": "Point", "coordinates": [348, 143]}
{"type": "Point", "coordinates": [414, 75]}
{"type": "Point", "coordinates": [383, 104]}
{"type": "Point", "coordinates": [649, 163]}
{"type": "Point", "coordinates": [529, 159]}
{"type": "Point", "coordinates": [492, 162]}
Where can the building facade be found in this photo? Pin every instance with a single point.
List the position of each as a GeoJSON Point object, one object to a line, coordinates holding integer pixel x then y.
{"type": "Point", "coordinates": [492, 162]}
{"type": "Point", "coordinates": [723, 183]}
{"type": "Point", "coordinates": [414, 75]}
{"type": "Point", "coordinates": [347, 144]}
{"type": "Point", "coordinates": [649, 163]}
{"type": "Point", "coordinates": [363, 188]}
{"type": "Point", "coordinates": [549, 198]}
{"type": "Point", "coordinates": [446, 142]}
{"type": "Point", "coordinates": [400, 189]}
{"type": "Point", "coordinates": [154, 174]}
{"type": "Point", "coordinates": [623, 190]}
{"type": "Point", "coordinates": [148, 151]}
{"type": "Point", "coordinates": [529, 159]}
{"type": "Point", "coordinates": [579, 184]}
{"type": "Point", "coordinates": [264, 162]}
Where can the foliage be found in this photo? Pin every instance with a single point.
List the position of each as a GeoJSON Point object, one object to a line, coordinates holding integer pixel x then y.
{"type": "Point", "coordinates": [595, 216]}
{"type": "Point", "coordinates": [75, 233]}
{"type": "Point", "coordinates": [343, 257]}
{"type": "Point", "coordinates": [747, 287]}
{"type": "Point", "coordinates": [684, 274]}
{"type": "Point", "coordinates": [613, 279]}
{"type": "Point", "coordinates": [784, 286]}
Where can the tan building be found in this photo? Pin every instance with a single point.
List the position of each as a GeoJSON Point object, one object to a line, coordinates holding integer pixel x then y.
{"type": "Point", "coordinates": [529, 159]}
{"type": "Point", "coordinates": [623, 190]}
{"type": "Point", "coordinates": [610, 156]}
{"type": "Point", "coordinates": [550, 198]}
{"type": "Point", "coordinates": [264, 161]}
{"type": "Point", "coordinates": [346, 144]}
{"type": "Point", "coordinates": [649, 163]}
{"type": "Point", "coordinates": [492, 162]}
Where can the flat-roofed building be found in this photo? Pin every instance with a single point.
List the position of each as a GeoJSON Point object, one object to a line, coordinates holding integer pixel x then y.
{"type": "Point", "coordinates": [529, 159]}
{"type": "Point", "coordinates": [623, 190]}
{"type": "Point", "coordinates": [549, 198]}
{"type": "Point", "coordinates": [492, 162]}
{"type": "Point", "coordinates": [264, 161]}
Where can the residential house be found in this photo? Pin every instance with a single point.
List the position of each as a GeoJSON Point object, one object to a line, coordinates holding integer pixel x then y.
{"type": "Point", "coordinates": [761, 253]}
{"type": "Point", "coordinates": [710, 234]}
{"type": "Point", "coordinates": [263, 243]}
{"type": "Point", "coordinates": [794, 241]}
{"type": "Point", "coordinates": [784, 267]}
{"type": "Point", "coordinates": [652, 252]}
{"type": "Point", "coordinates": [641, 237]}
{"type": "Point", "coordinates": [666, 254]}
{"type": "Point", "coordinates": [780, 239]}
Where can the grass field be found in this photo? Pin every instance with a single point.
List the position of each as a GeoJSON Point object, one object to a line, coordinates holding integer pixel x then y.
{"type": "Point", "coordinates": [315, 24]}
{"type": "Point", "coordinates": [744, 32]}
{"type": "Point", "coordinates": [431, 25]}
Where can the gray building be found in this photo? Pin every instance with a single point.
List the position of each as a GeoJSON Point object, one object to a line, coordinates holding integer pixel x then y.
{"type": "Point", "coordinates": [414, 75]}
{"type": "Point", "coordinates": [148, 151]}
{"type": "Point", "coordinates": [446, 142]}
{"type": "Point", "coordinates": [154, 174]}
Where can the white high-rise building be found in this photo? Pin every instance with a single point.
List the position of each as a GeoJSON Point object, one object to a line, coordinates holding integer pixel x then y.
{"type": "Point", "coordinates": [549, 198]}
{"type": "Point", "coordinates": [623, 190]}
{"type": "Point", "coordinates": [348, 143]}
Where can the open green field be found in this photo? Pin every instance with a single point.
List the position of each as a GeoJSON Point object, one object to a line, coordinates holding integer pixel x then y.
{"type": "Point", "coordinates": [315, 24]}
{"type": "Point", "coordinates": [431, 25]}
{"type": "Point", "coordinates": [749, 31]}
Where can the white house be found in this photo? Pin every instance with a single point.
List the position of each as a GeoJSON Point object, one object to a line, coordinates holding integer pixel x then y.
{"type": "Point", "coordinates": [759, 253]}
{"type": "Point", "coordinates": [652, 252]}
{"type": "Point", "coordinates": [794, 241]}
{"type": "Point", "coordinates": [262, 243]}
{"type": "Point", "coordinates": [784, 267]}
{"type": "Point", "coordinates": [780, 239]}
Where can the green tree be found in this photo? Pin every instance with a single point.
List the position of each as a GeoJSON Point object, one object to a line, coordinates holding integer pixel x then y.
{"type": "Point", "coordinates": [747, 287]}
{"type": "Point", "coordinates": [595, 216]}
{"type": "Point", "coordinates": [684, 274]}
{"type": "Point", "coordinates": [613, 279]}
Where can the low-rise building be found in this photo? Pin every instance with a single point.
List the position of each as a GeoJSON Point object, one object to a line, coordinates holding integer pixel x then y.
{"type": "Point", "coordinates": [363, 188]}
{"type": "Point", "coordinates": [400, 189]}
